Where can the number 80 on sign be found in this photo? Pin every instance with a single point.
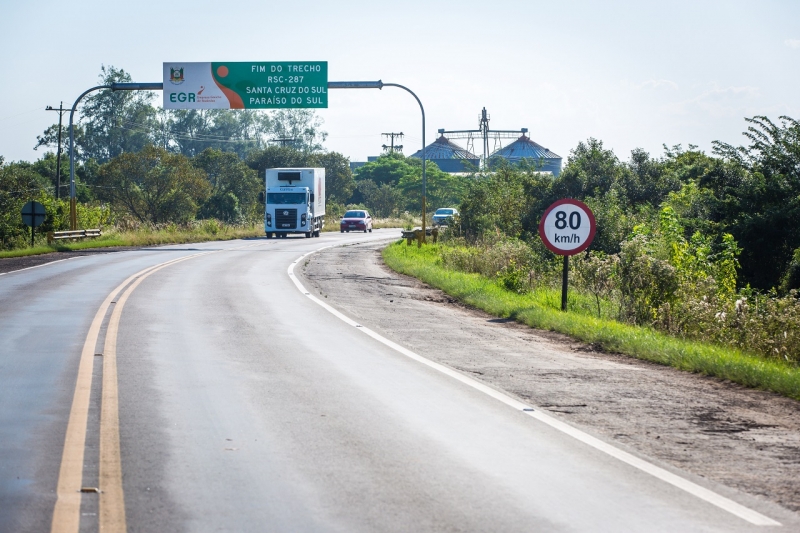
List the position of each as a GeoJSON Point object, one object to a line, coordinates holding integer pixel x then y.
{"type": "Point", "coordinates": [567, 227]}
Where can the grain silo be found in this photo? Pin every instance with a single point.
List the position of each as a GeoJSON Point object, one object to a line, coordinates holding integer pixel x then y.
{"type": "Point", "coordinates": [525, 149]}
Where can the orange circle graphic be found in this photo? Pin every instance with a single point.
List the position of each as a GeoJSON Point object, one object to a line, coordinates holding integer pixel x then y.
{"type": "Point", "coordinates": [222, 71]}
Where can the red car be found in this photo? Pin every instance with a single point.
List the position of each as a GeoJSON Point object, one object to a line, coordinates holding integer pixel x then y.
{"type": "Point", "coordinates": [356, 220]}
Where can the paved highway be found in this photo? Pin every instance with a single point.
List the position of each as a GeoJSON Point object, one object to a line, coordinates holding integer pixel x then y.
{"type": "Point", "coordinates": [201, 388]}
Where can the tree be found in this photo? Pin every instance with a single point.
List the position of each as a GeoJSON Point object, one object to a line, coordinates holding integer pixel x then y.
{"type": "Point", "coordinates": [339, 182]}
{"type": "Point", "coordinates": [757, 197]}
{"type": "Point", "coordinates": [387, 169]}
{"type": "Point", "coordinates": [441, 190]}
{"type": "Point", "coordinates": [301, 128]}
{"type": "Point", "coordinates": [590, 171]}
{"type": "Point", "coordinates": [190, 131]}
{"type": "Point", "coordinates": [234, 185]}
{"type": "Point", "coordinates": [116, 122]}
{"type": "Point", "coordinates": [19, 183]}
{"type": "Point", "coordinates": [498, 201]}
{"type": "Point", "coordinates": [154, 186]}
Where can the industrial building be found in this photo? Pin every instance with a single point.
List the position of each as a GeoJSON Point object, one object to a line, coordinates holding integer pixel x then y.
{"type": "Point", "coordinates": [452, 158]}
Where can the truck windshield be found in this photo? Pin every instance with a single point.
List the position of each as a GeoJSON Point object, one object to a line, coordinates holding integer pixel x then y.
{"type": "Point", "coordinates": [286, 198]}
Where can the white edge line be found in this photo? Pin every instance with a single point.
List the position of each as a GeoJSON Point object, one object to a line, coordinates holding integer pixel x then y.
{"type": "Point", "coordinates": [692, 488]}
{"type": "Point", "coordinates": [38, 266]}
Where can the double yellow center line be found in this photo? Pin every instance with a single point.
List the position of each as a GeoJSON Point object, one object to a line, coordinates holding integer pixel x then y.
{"type": "Point", "coordinates": [66, 514]}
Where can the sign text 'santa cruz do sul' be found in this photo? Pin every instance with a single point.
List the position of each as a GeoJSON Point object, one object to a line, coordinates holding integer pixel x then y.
{"type": "Point", "coordinates": [256, 85]}
{"type": "Point", "coordinates": [567, 227]}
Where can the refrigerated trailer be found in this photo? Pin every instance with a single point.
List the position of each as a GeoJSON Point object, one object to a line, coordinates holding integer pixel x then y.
{"type": "Point", "coordinates": [295, 201]}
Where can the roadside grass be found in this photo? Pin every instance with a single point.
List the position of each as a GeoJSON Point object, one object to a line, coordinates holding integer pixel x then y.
{"type": "Point", "coordinates": [541, 309]}
{"type": "Point", "coordinates": [146, 237]}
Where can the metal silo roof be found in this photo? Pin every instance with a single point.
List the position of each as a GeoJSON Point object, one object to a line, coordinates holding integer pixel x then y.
{"type": "Point", "coordinates": [524, 147]}
{"type": "Point", "coordinates": [444, 148]}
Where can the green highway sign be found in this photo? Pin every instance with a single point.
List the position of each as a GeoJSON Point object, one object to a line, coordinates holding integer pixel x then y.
{"type": "Point", "coordinates": [246, 85]}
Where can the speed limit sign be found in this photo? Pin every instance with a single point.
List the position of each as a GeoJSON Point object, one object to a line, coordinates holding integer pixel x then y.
{"type": "Point", "coordinates": [567, 227]}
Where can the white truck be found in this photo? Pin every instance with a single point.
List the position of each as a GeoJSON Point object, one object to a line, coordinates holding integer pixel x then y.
{"type": "Point", "coordinates": [295, 201]}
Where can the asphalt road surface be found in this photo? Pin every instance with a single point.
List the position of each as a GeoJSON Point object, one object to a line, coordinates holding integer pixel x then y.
{"type": "Point", "coordinates": [203, 388]}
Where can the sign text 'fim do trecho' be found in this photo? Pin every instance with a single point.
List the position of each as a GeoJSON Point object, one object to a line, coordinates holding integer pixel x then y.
{"type": "Point", "coordinates": [246, 85]}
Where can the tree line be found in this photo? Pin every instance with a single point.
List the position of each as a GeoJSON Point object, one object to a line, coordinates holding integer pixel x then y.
{"type": "Point", "coordinates": [143, 164]}
{"type": "Point", "coordinates": [740, 204]}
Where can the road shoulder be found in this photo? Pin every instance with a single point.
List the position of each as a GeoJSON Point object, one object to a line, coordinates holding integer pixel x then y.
{"type": "Point", "coordinates": [742, 438]}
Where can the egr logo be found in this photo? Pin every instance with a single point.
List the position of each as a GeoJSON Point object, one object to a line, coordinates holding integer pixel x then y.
{"type": "Point", "coordinates": [176, 76]}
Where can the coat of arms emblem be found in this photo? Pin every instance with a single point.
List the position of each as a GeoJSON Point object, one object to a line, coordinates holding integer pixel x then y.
{"type": "Point", "coordinates": [176, 75]}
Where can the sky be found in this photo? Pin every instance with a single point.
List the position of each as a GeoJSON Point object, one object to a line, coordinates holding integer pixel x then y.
{"type": "Point", "coordinates": [633, 74]}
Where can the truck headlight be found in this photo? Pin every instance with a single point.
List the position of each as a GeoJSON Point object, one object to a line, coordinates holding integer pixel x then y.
{"type": "Point", "coordinates": [269, 220]}
{"type": "Point", "coordinates": [303, 219]}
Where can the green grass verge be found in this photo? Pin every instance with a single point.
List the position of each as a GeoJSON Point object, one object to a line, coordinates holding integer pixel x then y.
{"type": "Point", "coordinates": [538, 310]}
{"type": "Point", "coordinates": [144, 238]}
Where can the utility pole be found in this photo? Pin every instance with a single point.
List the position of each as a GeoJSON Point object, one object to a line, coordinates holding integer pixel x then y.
{"type": "Point", "coordinates": [61, 112]}
{"type": "Point", "coordinates": [392, 135]}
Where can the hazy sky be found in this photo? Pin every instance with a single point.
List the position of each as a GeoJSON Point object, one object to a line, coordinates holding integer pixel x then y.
{"type": "Point", "coordinates": [630, 73]}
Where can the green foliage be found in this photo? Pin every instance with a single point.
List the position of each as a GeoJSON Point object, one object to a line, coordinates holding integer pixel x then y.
{"type": "Point", "coordinates": [513, 277]}
{"type": "Point", "coordinates": [19, 183]}
{"type": "Point", "coordinates": [498, 202]}
{"type": "Point", "coordinates": [388, 169]}
{"type": "Point", "coordinates": [112, 119]}
{"type": "Point", "coordinates": [154, 186]}
{"type": "Point", "coordinates": [442, 189]}
{"type": "Point", "coordinates": [384, 201]}
{"type": "Point", "coordinates": [394, 182]}
{"type": "Point", "coordinates": [339, 182]}
{"type": "Point", "coordinates": [757, 197]}
{"type": "Point", "coordinates": [540, 309]}
{"type": "Point", "coordinates": [234, 185]}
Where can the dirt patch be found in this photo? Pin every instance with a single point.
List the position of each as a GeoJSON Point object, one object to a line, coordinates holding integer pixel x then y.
{"type": "Point", "coordinates": [742, 438]}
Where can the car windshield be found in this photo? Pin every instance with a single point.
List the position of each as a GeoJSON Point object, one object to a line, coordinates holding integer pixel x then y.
{"type": "Point", "coordinates": [355, 214]}
{"type": "Point", "coordinates": [286, 198]}
{"type": "Point", "coordinates": [444, 211]}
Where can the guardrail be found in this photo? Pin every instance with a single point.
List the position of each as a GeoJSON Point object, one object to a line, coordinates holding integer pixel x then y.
{"type": "Point", "coordinates": [416, 235]}
{"type": "Point", "coordinates": [76, 234]}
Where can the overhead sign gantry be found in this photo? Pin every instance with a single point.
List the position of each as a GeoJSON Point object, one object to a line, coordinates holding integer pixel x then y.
{"type": "Point", "coordinates": [242, 85]}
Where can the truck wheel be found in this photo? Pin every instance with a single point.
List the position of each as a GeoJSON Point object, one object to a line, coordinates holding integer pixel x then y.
{"type": "Point", "coordinates": [370, 230]}
{"type": "Point", "coordinates": [269, 235]}
{"type": "Point", "coordinates": [316, 233]}
{"type": "Point", "coordinates": [309, 234]}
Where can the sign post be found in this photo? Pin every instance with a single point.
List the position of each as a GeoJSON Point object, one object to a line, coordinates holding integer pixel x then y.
{"type": "Point", "coordinates": [33, 215]}
{"type": "Point", "coordinates": [567, 228]}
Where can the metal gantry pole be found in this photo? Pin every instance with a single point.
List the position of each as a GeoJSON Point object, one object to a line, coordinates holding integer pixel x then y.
{"type": "Point", "coordinates": [73, 216]}
{"type": "Point", "coordinates": [380, 85]}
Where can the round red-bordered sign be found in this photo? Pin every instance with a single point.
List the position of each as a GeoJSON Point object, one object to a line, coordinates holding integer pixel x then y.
{"type": "Point", "coordinates": [567, 227]}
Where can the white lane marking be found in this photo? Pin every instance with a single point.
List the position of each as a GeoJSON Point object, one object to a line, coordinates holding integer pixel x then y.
{"type": "Point", "coordinates": [37, 266]}
{"type": "Point", "coordinates": [692, 488]}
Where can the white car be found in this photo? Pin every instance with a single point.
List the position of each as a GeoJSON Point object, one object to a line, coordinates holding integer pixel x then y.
{"type": "Point", "coordinates": [443, 215]}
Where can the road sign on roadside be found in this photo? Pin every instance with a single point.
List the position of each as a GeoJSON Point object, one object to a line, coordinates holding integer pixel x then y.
{"type": "Point", "coordinates": [246, 85]}
{"type": "Point", "coordinates": [567, 227]}
{"type": "Point", "coordinates": [33, 214]}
